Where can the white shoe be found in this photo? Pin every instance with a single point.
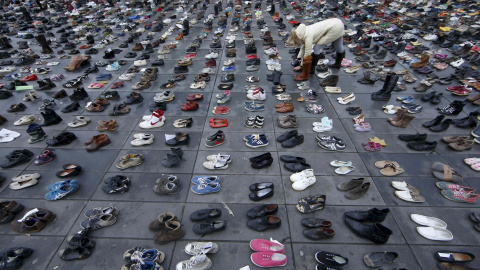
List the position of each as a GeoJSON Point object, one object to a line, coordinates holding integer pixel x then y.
{"type": "Point", "coordinates": [323, 128]}
{"type": "Point", "coordinates": [301, 175]}
{"type": "Point", "coordinates": [142, 139]}
{"type": "Point", "coordinates": [324, 74]}
{"type": "Point", "coordinates": [79, 121]}
{"type": "Point", "coordinates": [304, 183]}
{"type": "Point", "coordinates": [25, 120]}
{"type": "Point", "coordinates": [155, 120]}
{"type": "Point", "coordinates": [199, 248]}
{"type": "Point", "coordinates": [139, 63]}
{"type": "Point", "coordinates": [127, 76]}
{"type": "Point", "coordinates": [195, 263]}
{"type": "Point", "coordinates": [257, 95]}
{"type": "Point", "coordinates": [8, 135]}
{"type": "Point", "coordinates": [215, 165]}
{"type": "Point", "coordinates": [212, 55]}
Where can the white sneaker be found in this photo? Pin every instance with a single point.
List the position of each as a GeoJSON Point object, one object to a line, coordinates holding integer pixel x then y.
{"type": "Point", "coordinates": [25, 120]}
{"type": "Point", "coordinates": [215, 165]}
{"type": "Point", "coordinates": [139, 63]}
{"type": "Point", "coordinates": [142, 139]}
{"type": "Point", "coordinates": [208, 70]}
{"type": "Point", "coordinates": [155, 120]}
{"type": "Point", "coordinates": [324, 74]}
{"type": "Point", "coordinates": [223, 158]}
{"type": "Point", "coordinates": [199, 248]}
{"type": "Point", "coordinates": [229, 62]}
{"type": "Point", "coordinates": [457, 63]}
{"type": "Point", "coordinates": [301, 175]}
{"type": "Point", "coordinates": [257, 95]}
{"type": "Point", "coordinates": [200, 262]}
{"type": "Point", "coordinates": [304, 183]}
{"type": "Point", "coordinates": [127, 76]}
{"type": "Point", "coordinates": [212, 55]}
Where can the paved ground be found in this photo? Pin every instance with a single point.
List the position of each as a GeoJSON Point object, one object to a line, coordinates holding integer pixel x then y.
{"type": "Point", "coordinates": [141, 205]}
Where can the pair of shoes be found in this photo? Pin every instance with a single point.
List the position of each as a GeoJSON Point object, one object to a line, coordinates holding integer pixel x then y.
{"type": "Point", "coordinates": [367, 224]}
{"type": "Point", "coordinates": [199, 260]}
{"type": "Point", "coordinates": [317, 228]}
{"type": "Point", "coordinates": [355, 188]}
{"type": "Point", "coordinates": [10, 208]}
{"type": "Point", "coordinates": [269, 253]}
{"type": "Point", "coordinates": [217, 162]}
{"type": "Point", "coordinates": [116, 184]}
{"type": "Point", "coordinates": [61, 189]}
{"type": "Point", "coordinates": [167, 185]}
{"type": "Point", "coordinates": [17, 157]}
{"type": "Point", "coordinates": [256, 140]}
{"type": "Point", "coordinates": [302, 180]}
{"type": "Point", "coordinates": [173, 159]}
{"type": "Point", "coordinates": [167, 228]}
{"type": "Point", "coordinates": [141, 258]}
{"type": "Point", "coordinates": [97, 142]}
{"type": "Point", "coordinates": [81, 245]}
{"type": "Point", "coordinates": [64, 138]}
{"type": "Point", "coordinates": [210, 225]}
{"type": "Point", "coordinates": [157, 119]}
{"type": "Point", "coordinates": [294, 164]}
{"type": "Point", "coordinates": [34, 220]}
{"type": "Point", "coordinates": [99, 218]}
{"type": "Point", "coordinates": [45, 157]}
{"type": "Point", "coordinates": [262, 217]}
{"type": "Point", "coordinates": [130, 160]}
{"type": "Point", "coordinates": [290, 139]}
{"type": "Point", "coordinates": [12, 258]}
{"type": "Point", "coordinates": [261, 161]}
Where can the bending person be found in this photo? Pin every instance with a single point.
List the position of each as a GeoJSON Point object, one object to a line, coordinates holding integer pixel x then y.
{"type": "Point", "coordinates": [315, 35]}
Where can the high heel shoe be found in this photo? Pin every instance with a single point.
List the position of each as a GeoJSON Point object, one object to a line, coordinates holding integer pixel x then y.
{"type": "Point", "coordinates": [180, 36]}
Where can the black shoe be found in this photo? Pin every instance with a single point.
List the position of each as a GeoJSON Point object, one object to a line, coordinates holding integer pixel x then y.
{"type": "Point", "coordinates": [441, 126]}
{"type": "Point", "coordinates": [72, 107]}
{"type": "Point", "coordinates": [133, 99]}
{"type": "Point", "coordinates": [287, 135]}
{"type": "Point", "coordinates": [228, 78]}
{"type": "Point", "coordinates": [292, 159]}
{"type": "Point", "coordinates": [262, 210]}
{"type": "Point", "coordinates": [373, 215]}
{"type": "Point", "coordinates": [17, 157]}
{"type": "Point", "coordinates": [63, 138]}
{"type": "Point", "coordinates": [205, 214]}
{"type": "Point", "coordinates": [262, 164]}
{"type": "Point", "coordinates": [180, 69]}
{"type": "Point", "coordinates": [422, 146]}
{"type": "Point", "coordinates": [316, 223]}
{"type": "Point", "coordinates": [453, 108]}
{"type": "Point", "coordinates": [331, 259]}
{"type": "Point", "coordinates": [264, 223]}
{"type": "Point", "coordinates": [262, 194]}
{"type": "Point", "coordinates": [376, 232]}
{"type": "Point", "coordinates": [261, 158]}
{"type": "Point", "coordinates": [429, 96]}
{"type": "Point", "coordinates": [296, 167]}
{"type": "Point", "coordinates": [111, 95]}
{"type": "Point", "coordinates": [209, 227]}
{"type": "Point", "coordinates": [469, 122]}
{"type": "Point", "coordinates": [433, 122]}
{"type": "Point", "coordinates": [293, 141]}
{"type": "Point", "coordinates": [409, 138]}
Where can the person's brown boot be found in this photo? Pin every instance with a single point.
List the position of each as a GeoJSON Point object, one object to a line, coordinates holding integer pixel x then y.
{"type": "Point", "coordinates": [400, 114]}
{"type": "Point", "coordinates": [159, 224]}
{"type": "Point", "coordinates": [423, 62]}
{"type": "Point", "coordinates": [404, 121]}
{"type": "Point", "coordinates": [173, 231]}
{"type": "Point", "coordinates": [307, 64]}
{"type": "Point", "coordinates": [74, 62]}
{"type": "Point", "coordinates": [138, 47]}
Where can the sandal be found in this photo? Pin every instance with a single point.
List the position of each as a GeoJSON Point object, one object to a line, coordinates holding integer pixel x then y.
{"type": "Point", "coordinates": [391, 169]}
{"type": "Point", "coordinates": [372, 146]}
{"type": "Point", "coordinates": [56, 77]}
{"type": "Point", "coordinates": [311, 204]}
{"type": "Point", "coordinates": [445, 173]}
{"type": "Point", "coordinates": [95, 85]}
{"type": "Point", "coordinates": [32, 96]}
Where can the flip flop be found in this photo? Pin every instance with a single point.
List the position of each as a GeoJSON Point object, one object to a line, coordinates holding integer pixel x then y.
{"type": "Point", "coordinates": [409, 197]}
{"type": "Point", "coordinates": [435, 234]}
{"type": "Point", "coordinates": [445, 173]}
{"type": "Point", "coordinates": [405, 187]}
{"type": "Point", "coordinates": [381, 164]}
{"type": "Point", "coordinates": [391, 170]}
{"type": "Point", "coordinates": [428, 221]}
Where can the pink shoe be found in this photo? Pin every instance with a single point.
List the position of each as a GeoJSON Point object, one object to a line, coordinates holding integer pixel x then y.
{"type": "Point", "coordinates": [264, 245]}
{"type": "Point", "coordinates": [268, 259]}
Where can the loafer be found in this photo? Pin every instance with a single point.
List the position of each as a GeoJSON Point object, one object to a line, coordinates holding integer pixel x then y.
{"type": "Point", "coordinates": [262, 210]}
{"type": "Point", "coordinates": [265, 223]}
{"type": "Point", "coordinates": [205, 214]}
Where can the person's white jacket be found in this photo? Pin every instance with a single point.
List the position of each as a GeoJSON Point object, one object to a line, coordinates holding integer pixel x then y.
{"type": "Point", "coordinates": [322, 33]}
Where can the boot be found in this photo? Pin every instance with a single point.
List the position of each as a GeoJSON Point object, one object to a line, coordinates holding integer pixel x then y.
{"type": "Point", "coordinates": [338, 60]}
{"type": "Point", "coordinates": [43, 42]}
{"type": "Point", "coordinates": [358, 192]}
{"type": "Point", "coordinates": [36, 133]}
{"type": "Point", "coordinates": [171, 161]}
{"type": "Point", "coordinates": [437, 120]}
{"type": "Point", "coordinates": [159, 224]}
{"type": "Point", "coordinates": [376, 232]}
{"type": "Point", "coordinates": [400, 114]}
{"type": "Point", "coordinates": [177, 151]}
{"type": "Point", "coordinates": [404, 121]}
{"type": "Point", "coordinates": [173, 231]}
{"type": "Point", "coordinates": [50, 117]}
{"type": "Point", "coordinates": [307, 64]}
{"type": "Point", "coordinates": [5, 44]}
{"type": "Point", "coordinates": [372, 215]}
{"type": "Point", "coordinates": [315, 59]}
{"type": "Point", "coordinates": [386, 92]}
{"type": "Point", "coordinates": [276, 77]}
{"type": "Point", "coordinates": [74, 62]}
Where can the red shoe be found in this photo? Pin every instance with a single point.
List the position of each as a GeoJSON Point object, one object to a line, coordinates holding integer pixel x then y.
{"type": "Point", "coordinates": [221, 110]}
{"type": "Point", "coordinates": [252, 56]}
{"type": "Point", "coordinates": [158, 9]}
{"type": "Point", "coordinates": [190, 106]}
{"type": "Point", "coordinates": [460, 196]}
{"type": "Point", "coordinates": [218, 123]}
{"type": "Point", "coordinates": [457, 87]}
{"type": "Point", "coordinates": [293, 22]}
{"type": "Point", "coordinates": [85, 46]}
{"type": "Point", "coordinates": [32, 77]}
{"type": "Point", "coordinates": [192, 55]}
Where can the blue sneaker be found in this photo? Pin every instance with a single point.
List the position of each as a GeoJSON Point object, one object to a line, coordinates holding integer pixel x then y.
{"type": "Point", "coordinates": [257, 141]}
{"type": "Point", "coordinates": [61, 189]}
{"type": "Point", "coordinates": [206, 188]}
{"type": "Point", "coordinates": [205, 179]}
{"type": "Point", "coordinates": [229, 68]}
{"type": "Point", "coordinates": [476, 133]}
{"type": "Point", "coordinates": [254, 106]}
{"type": "Point", "coordinates": [104, 77]}
{"type": "Point", "coordinates": [121, 34]}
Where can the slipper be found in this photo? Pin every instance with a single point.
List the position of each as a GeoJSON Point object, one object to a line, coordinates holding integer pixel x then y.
{"type": "Point", "coordinates": [381, 164]}
{"type": "Point", "coordinates": [445, 173]}
{"type": "Point", "coordinates": [391, 170]}
{"type": "Point", "coordinates": [26, 177]}
{"type": "Point", "coordinates": [405, 187]}
{"type": "Point", "coordinates": [339, 163]}
{"type": "Point", "coordinates": [95, 85]}
{"type": "Point", "coordinates": [435, 234]}
{"type": "Point", "coordinates": [452, 256]}
{"type": "Point", "coordinates": [428, 221]}
{"type": "Point", "coordinates": [409, 197]}
{"type": "Point", "coordinates": [23, 184]}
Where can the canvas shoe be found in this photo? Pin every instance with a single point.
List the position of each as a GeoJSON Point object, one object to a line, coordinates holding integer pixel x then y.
{"type": "Point", "coordinates": [157, 119]}
{"type": "Point", "coordinates": [199, 262]}
{"type": "Point", "coordinates": [199, 248]}
{"type": "Point", "coordinates": [216, 165]}
{"type": "Point", "coordinates": [206, 188]}
{"type": "Point", "coordinates": [268, 259]}
{"type": "Point", "coordinates": [220, 157]}
{"type": "Point", "coordinates": [62, 189]}
{"type": "Point", "coordinates": [211, 55]}
{"type": "Point", "coordinates": [257, 95]}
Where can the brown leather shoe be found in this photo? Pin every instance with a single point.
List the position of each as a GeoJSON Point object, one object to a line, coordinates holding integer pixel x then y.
{"type": "Point", "coordinates": [173, 231]}
{"type": "Point", "coordinates": [138, 47]}
{"type": "Point", "coordinates": [389, 63]}
{"type": "Point", "coordinates": [101, 101]}
{"type": "Point", "coordinates": [449, 266]}
{"type": "Point", "coordinates": [107, 125]}
{"type": "Point", "coordinates": [28, 225]}
{"type": "Point", "coordinates": [98, 143]}
{"type": "Point", "coordinates": [423, 62]}
{"type": "Point", "coordinates": [94, 138]}
{"type": "Point", "coordinates": [159, 224]}
{"type": "Point", "coordinates": [462, 145]}
{"type": "Point", "coordinates": [94, 107]}
{"type": "Point", "coordinates": [288, 107]}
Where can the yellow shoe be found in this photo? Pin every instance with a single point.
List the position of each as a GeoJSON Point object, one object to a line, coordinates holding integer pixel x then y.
{"type": "Point", "coordinates": [377, 140]}
{"type": "Point", "coordinates": [416, 43]}
{"type": "Point", "coordinates": [376, 22]}
{"type": "Point", "coordinates": [301, 99]}
{"type": "Point", "coordinates": [445, 29]}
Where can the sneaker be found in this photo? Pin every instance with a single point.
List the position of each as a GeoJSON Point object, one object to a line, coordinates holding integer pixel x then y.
{"type": "Point", "coordinates": [218, 140]}
{"type": "Point", "coordinates": [257, 141]}
{"type": "Point", "coordinates": [206, 188]}
{"type": "Point", "coordinates": [62, 189]}
{"type": "Point", "coordinates": [216, 164]}
{"type": "Point", "coordinates": [199, 248]}
{"type": "Point", "coordinates": [199, 262]}
{"type": "Point", "coordinates": [157, 119]}
{"type": "Point", "coordinates": [142, 139]}
{"type": "Point", "coordinates": [304, 183]}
